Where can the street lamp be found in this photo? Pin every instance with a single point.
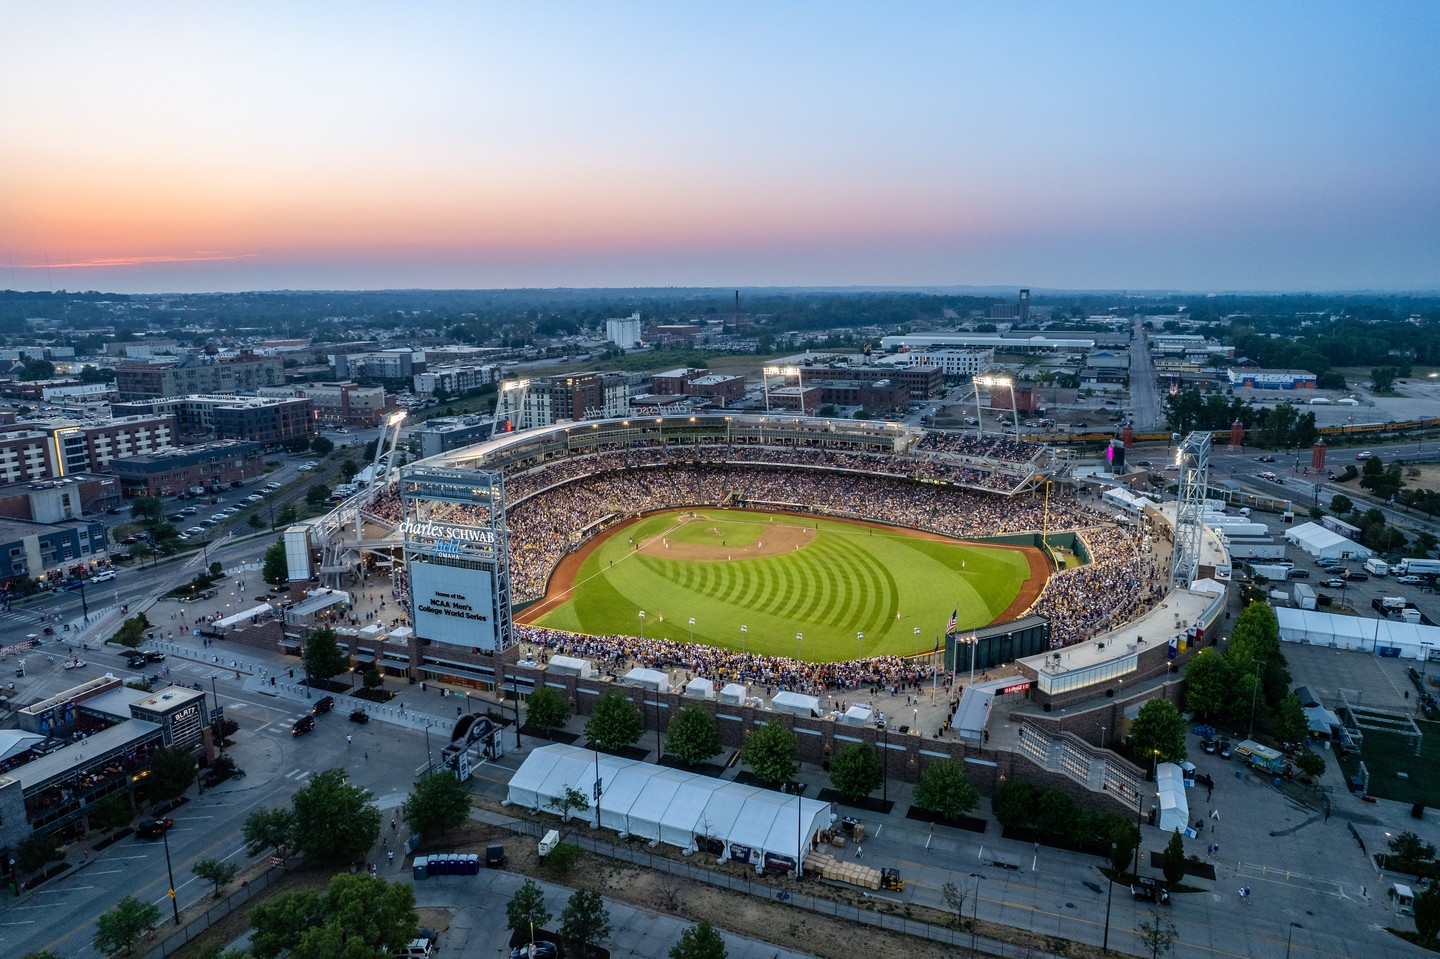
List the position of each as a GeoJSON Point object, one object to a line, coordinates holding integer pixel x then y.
{"type": "Point", "coordinates": [174, 905]}
{"type": "Point", "coordinates": [1254, 693]}
{"type": "Point", "coordinates": [1105, 946]}
{"type": "Point", "coordinates": [975, 913]}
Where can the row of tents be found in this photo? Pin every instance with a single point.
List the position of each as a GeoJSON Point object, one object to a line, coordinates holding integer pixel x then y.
{"type": "Point", "coordinates": [682, 809]}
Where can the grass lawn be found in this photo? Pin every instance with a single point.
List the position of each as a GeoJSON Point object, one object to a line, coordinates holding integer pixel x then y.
{"type": "Point", "coordinates": [1386, 754]}
{"type": "Point", "coordinates": [828, 582]}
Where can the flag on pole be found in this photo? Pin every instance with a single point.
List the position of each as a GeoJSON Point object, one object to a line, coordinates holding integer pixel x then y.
{"type": "Point", "coordinates": [692, 620]}
{"type": "Point", "coordinates": [859, 635]}
{"type": "Point", "coordinates": [937, 646]}
{"type": "Point", "coordinates": [744, 629]}
{"type": "Point", "coordinates": [954, 620]}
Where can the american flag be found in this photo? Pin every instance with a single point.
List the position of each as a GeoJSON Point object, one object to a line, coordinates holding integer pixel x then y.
{"type": "Point", "coordinates": [954, 620]}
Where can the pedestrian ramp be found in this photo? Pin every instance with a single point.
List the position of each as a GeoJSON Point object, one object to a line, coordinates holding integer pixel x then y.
{"type": "Point", "coordinates": [1321, 885]}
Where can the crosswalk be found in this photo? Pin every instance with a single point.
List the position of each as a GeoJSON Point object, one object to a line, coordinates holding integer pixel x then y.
{"type": "Point", "coordinates": [298, 775]}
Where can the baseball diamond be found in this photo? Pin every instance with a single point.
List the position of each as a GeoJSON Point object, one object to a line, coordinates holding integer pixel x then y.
{"type": "Point", "coordinates": [850, 589]}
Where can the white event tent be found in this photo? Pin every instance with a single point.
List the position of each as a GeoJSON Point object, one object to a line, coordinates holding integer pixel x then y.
{"type": "Point", "coordinates": [1323, 543]}
{"type": "Point", "coordinates": [1383, 636]}
{"type": "Point", "coordinates": [1174, 808]}
{"type": "Point", "coordinates": [672, 806]}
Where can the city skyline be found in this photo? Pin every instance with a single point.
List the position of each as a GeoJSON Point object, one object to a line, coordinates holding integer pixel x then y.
{"type": "Point", "coordinates": [164, 147]}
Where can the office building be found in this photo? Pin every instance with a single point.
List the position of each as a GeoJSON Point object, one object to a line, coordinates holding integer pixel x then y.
{"type": "Point", "coordinates": [191, 374]}
{"type": "Point", "coordinates": [222, 463]}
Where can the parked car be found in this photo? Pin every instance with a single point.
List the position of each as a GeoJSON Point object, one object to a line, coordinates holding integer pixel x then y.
{"type": "Point", "coordinates": [322, 705]}
{"type": "Point", "coordinates": [153, 656]}
{"type": "Point", "coordinates": [1410, 580]}
{"type": "Point", "coordinates": [1146, 889]}
{"type": "Point", "coordinates": [135, 661]}
{"type": "Point", "coordinates": [1364, 456]}
{"type": "Point", "coordinates": [535, 950]}
{"type": "Point", "coordinates": [359, 716]}
{"type": "Point", "coordinates": [1208, 746]}
{"type": "Point", "coordinates": [1334, 583]}
{"type": "Point", "coordinates": [154, 828]}
{"type": "Point", "coordinates": [1357, 577]}
{"type": "Point", "coordinates": [1296, 573]}
{"type": "Point", "coordinates": [254, 498]}
{"type": "Point", "coordinates": [303, 725]}
{"type": "Point", "coordinates": [104, 576]}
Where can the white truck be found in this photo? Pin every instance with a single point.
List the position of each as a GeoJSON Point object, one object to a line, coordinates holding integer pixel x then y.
{"type": "Point", "coordinates": [1304, 596]}
{"type": "Point", "coordinates": [1376, 567]}
{"type": "Point", "coordinates": [1418, 567]}
{"type": "Point", "coordinates": [1275, 573]}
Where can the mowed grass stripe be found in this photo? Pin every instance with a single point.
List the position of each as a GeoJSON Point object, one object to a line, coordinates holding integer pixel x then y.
{"type": "Point", "coordinates": [845, 579]}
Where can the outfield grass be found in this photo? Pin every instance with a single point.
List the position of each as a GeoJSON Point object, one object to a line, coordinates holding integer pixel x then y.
{"type": "Point", "coordinates": [844, 579]}
{"type": "Point", "coordinates": [1386, 754]}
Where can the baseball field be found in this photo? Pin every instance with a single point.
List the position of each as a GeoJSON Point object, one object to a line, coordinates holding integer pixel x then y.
{"type": "Point", "coordinates": [752, 580]}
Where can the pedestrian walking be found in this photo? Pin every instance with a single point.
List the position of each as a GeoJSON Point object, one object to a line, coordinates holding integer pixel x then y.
{"type": "Point", "coordinates": [367, 755]}
{"type": "Point", "coordinates": [394, 825]}
{"type": "Point", "coordinates": [349, 739]}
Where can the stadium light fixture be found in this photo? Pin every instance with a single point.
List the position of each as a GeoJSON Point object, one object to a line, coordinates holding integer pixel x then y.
{"type": "Point", "coordinates": [396, 418]}
{"type": "Point", "coordinates": [1001, 382]}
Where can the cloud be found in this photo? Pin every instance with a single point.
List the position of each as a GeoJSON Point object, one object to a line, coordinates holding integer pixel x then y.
{"type": "Point", "coordinates": [199, 257]}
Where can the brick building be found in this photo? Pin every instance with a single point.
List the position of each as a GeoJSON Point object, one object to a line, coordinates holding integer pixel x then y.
{"type": "Point", "coordinates": [170, 473]}
{"type": "Point", "coordinates": [263, 419]}
{"type": "Point", "coordinates": [191, 374]}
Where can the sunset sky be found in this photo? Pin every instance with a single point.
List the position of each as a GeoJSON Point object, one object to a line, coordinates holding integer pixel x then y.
{"type": "Point", "coordinates": [191, 146]}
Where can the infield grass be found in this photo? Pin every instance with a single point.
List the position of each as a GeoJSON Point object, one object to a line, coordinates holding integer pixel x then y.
{"type": "Point", "coordinates": [832, 582]}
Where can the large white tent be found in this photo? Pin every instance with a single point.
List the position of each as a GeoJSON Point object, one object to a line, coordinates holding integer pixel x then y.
{"type": "Point", "coordinates": [1387, 637]}
{"type": "Point", "coordinates": [1323, 543]}
{"type": "Point", "coordinates": [1170, 788]}
{"type": "Point", "coordinates": [672, 806]}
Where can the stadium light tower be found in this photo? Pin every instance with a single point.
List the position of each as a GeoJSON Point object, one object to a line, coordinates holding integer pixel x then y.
{"type": "Point", "coordinates": [995, 383]}
{"type": "Point", "coordinates": [1192, 456]}
{"type": "Point", "coordinates": [784, 371]}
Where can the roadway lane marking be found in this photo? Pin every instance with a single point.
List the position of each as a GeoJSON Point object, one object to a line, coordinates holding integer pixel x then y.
{"type": "Point", "coordinates": [61, 892]}
{"type": "Point", "coordinates": [118, 858]}
{"type": "Point", "coordinates": [27, 922]}
{"type": "Point", "coordinates": [107, 872]}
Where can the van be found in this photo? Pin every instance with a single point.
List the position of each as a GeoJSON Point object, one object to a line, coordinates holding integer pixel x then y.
{"type": "Point", "coordinates": [414, 949]}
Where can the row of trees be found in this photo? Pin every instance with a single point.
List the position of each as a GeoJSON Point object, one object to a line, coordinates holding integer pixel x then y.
{"type": "Point", "coordinates": [771, 751]}
{"type": "Point", "coordinates": [1282, 427]}
{"type": "Point", "coordinates": [585, 922]}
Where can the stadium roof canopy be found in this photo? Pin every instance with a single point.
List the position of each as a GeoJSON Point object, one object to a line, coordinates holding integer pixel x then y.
{"type": "Point", "coordinates": [670, 805]}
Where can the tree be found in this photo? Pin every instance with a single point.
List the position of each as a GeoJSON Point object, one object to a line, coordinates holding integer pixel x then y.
{"type": "Point", "coordinates": [295, 444]}
{"type": "Point", "coordinates": [439, 803]}
{"type": "Point", "coordinates": [1311, 764]}
{"type": "Point", "coordinates": [568, 800]}
{"type": "Point", "coordinates": [584, 921]}
{"type": "Point", "coordinates": [171, 773]}
{"type": "Point", "coordinates": [285, 518]}
{"type": "Point", "coordinates": [1172, 859]}
{"type": "Point", "coordinates": [272, 829]}
{"type": "Point", "coordinates": [357, 916]}
{"type": "Point", "coordinates": [855, 771]}
{"type": "Point", "coordinates": [954, 897]}
{"type": "Point", "coordinates": [1014, 803]}
{"type": "Point", "coordinates": [322, 445]}
{"type": "Point", "coordinates": [699, 942]}
{"type": "Point", "coordinates": [371, 679]}
{"type": "Point", "coordinates": [615, 723]}
{"type": "Point", "coordinates": [1209, 684]}
{"type": "Point", "coordinates": [526, 909]}
{"type": "Point", "coordinates": [562, 858]}
{"type": "Point", "coordinates": [275, 568]}
{"type": "Point", "coordinates": [317, 495]}
{"type": "Point", "coordinates": [348, 469]}
{"type": "Point", "coordinates": [1158, 934]}
{"type": "Point", "coordinates": [149, 508]}
{"type": "Point", "coordinates": [323, 656]}
{"type": "Point", "coordinates": [547, 710]}
{"type": "Point", "coordinates": [1427, 912]}
{"type": "Point", "coordinates": [1124, 837]}
{"type": "Point", "coordinates": [1341, 504]}
{"type": "Point", "coordinates": [35, 850]}
{"type": "Point", "coordinates": [771, 753]}
{"type": "Point", "coordinates": [1290, 725]}
{"type": "Point", "coordinates": [1410, 848]}
{"type": "Point", "coordinates": [111, 813]}
{"type": "Point", "coordinates": [1159, 726]}
{"type": "Point", "coordinates": [255, 521]}
{"type": "Point", "coordinates": [334, 821]}
{"type": "Point", "coordinates": [945, 789]}
{"type": "Point", "coordinates": [1383, 379]}
{"type": "Point", "coordinates": [692, 736]}
{"type": "Point", "coordinates": [213, 870]}
{"type": "Point", "coordinates": [37, 369]}
{"type": "Point", "coordinates": [124, 925]}
{"type": "Point", "coordinates": [42, 954]}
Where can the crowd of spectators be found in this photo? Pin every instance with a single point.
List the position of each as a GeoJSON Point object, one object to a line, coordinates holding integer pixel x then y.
{"type": "Point", "coordinates": [555, 505]}
{"type": "Point", "coordinates": [616, 655]}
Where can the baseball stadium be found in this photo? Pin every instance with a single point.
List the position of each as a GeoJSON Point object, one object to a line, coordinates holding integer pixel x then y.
{"type": "Point", "coordinates": [785, 540]}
